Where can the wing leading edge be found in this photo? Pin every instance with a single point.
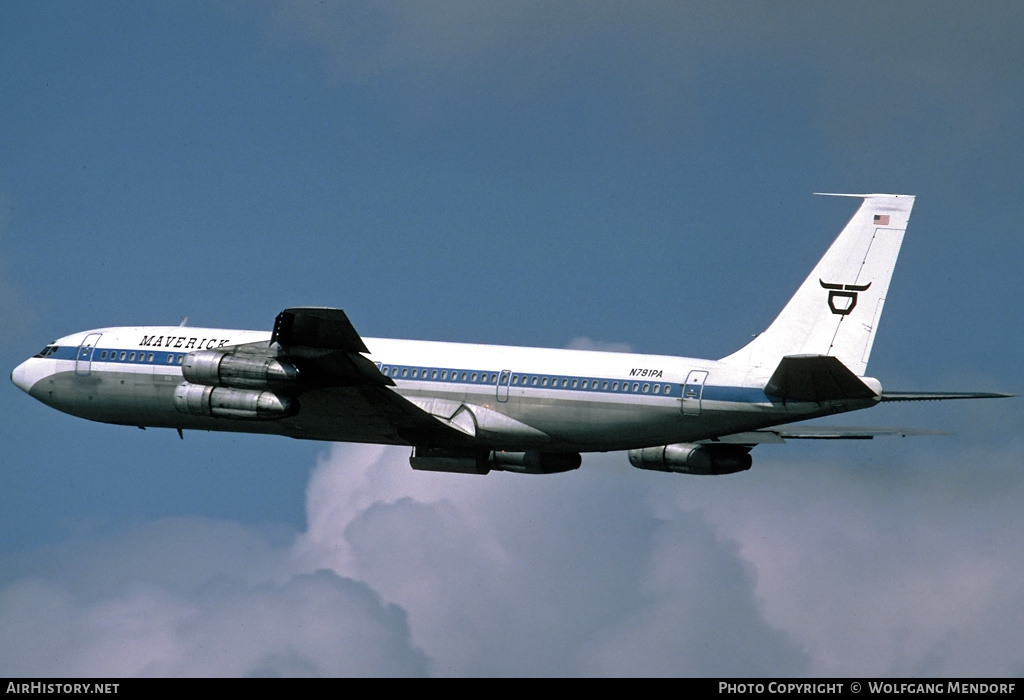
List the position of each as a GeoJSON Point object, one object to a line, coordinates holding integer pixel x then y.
{"type": "Point", "coordinates": [339, 383]}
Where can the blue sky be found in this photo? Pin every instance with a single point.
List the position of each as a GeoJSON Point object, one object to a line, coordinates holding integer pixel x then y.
{"type": "Point", "coordinates": [520, 173]}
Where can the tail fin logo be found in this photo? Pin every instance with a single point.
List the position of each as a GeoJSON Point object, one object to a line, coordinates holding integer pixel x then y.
{"type": "Point", "coordinates": [842, 298]}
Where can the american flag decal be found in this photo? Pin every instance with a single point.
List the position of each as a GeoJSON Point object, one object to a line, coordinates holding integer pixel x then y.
{"type": "Point", "coordinates": [881, 219]}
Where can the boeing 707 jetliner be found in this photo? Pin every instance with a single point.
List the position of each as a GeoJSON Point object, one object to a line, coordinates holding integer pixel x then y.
{"type": "Point", "coordinates": [476, 408]}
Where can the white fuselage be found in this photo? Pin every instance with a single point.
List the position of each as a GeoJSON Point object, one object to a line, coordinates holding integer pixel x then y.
{"type": "Point", "coordinates": [581, 401]}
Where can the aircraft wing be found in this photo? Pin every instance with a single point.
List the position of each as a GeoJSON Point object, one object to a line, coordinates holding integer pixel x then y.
{"type": "Point", "coordinates": [328, 346]}
{"type": "Point", "coordinates": [341, 386]}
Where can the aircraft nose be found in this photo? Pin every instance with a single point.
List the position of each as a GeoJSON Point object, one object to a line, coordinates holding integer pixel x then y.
{"type": "Point", "coordinates": [23, 376]}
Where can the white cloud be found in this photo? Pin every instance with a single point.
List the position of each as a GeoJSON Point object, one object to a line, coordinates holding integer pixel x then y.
{"type": "Point", "coordinates": [903, 567]}
{"type": "Point", "coordinates": [582, 342]}
{"type": "Point", "coordinates": [559, 575]}
{"type": "Point", "coordinates": [192, 597]}
{"type": "Point", "coordinates": [789, 569]}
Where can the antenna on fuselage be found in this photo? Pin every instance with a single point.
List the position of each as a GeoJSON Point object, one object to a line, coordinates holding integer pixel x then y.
{"type": "Point", "coordinates": [184, 322]}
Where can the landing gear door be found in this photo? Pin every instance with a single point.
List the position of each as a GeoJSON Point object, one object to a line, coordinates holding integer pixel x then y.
{"type": "Point", "coordinates": [83, 360]}
{"type": "Point", "coordinates": [693, 391]}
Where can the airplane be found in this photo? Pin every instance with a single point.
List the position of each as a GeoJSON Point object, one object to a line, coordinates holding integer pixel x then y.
{"type": "Point", "coordinates": [469, 408]}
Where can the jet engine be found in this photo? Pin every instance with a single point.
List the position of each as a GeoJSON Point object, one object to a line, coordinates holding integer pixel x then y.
{"type": "Point", "coordinates": [213, 368]}
{"type": "Point", "coordinates": [686, 458]}
{"type": "Point", "coordinates": [225, 402]}
{"type": "Point", "coordinates": [470, 461]}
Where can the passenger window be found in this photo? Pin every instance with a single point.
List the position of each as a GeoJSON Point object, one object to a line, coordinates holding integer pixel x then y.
{"type": "Point", "coordinates": [615, 386]}
{"type": "Point", "coordinates": [122, 356]}
{"type": "Point", "coordinates": [150, 358]}
{"type": "Point", "coordinates": [433, 374]}
{"type": "Point", "coordinates": [405, 372]}
{"type": "Point", "coordinates": [565, 383]}
{"type": "Point", "coordinates": [646, 387]}
{"type": "Point", "coordinates": [573, 383]}
{"type": "Point", "coordinates": [131, 357]}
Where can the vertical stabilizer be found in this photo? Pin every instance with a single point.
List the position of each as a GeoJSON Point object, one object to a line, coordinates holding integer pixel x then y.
{"type": "Point", "coordinates": [836, 310]}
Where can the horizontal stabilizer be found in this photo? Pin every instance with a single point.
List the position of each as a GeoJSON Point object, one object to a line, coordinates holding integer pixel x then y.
{"type": "Point", "coordinates": [815, 432]}
{"type": "Point", "coordinates": [828, 432]}
{"type": "Point", "coordinates": [817, 378]}
{"type": "Point", "coordinates": [940, 395]}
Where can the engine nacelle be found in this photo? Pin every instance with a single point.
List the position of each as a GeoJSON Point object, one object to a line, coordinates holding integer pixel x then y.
{"type": "Point", "coordinates": [686, 458]}
{"type": "Point", "coordinates": [435, 459]}
{"type": "Point", "coordinates": [471, 461]}
{"type": "Point", "coordinates": [224, 402]}
{"type": "Point", "coordinates": [536, 462]}
{"type": "Point", "coordinates": [214, 368]}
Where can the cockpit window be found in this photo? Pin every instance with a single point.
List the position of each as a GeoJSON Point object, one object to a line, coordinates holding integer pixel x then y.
{"type": "Point", "coordinates": [47, 351]}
